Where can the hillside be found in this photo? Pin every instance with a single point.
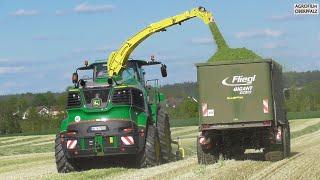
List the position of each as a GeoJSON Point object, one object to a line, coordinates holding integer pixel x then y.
{"type": "Point", "coordinates": [181, 103]}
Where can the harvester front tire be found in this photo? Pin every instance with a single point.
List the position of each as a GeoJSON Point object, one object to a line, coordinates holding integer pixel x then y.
{"type": "Point", "coordinates": [63, 163]}
{"type": "Point", "coordinates": [151, 155]}
{"type": "Point", "coordinates": [163, 126]}
{"type": "Point", "coordinates": [206, 157]}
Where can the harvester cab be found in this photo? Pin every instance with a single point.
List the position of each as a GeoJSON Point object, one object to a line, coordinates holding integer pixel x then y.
{"type": "Point", "coordinates": [95, 73]}
{"type": "Point", "coordinates": [134, 71]}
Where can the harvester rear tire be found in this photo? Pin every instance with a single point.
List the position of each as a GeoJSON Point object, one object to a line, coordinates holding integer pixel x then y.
{"type": "Point", "coordinates": [64, 165]}
{"type": "Point", "coordinates": [163, 126]}
{"type": "Point", "coordinates": [151, 155]}
{"type": "Point", "coordinates": [206, 157]}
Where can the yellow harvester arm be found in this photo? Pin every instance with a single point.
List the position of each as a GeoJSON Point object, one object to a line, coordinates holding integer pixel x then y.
{"type": "Point", "coordinates": [118, 59]}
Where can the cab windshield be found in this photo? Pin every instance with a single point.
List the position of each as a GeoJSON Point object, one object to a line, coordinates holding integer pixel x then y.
{"type": "Point", "coordinates": [100, 70]}
{"type": "Point", "coordinates": [130, 72]}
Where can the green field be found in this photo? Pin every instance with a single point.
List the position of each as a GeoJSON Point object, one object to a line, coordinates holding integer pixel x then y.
{"type": "Point", "coordinates": [32, 157]}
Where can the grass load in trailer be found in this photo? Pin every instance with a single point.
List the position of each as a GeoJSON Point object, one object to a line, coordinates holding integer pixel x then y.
{"type": "Point", "coordinates": [224, 52]}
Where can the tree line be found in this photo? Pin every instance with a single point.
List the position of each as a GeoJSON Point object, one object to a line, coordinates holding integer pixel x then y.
{"type": "Point", "coordinates": [303, 96]}
{"type": "Point", "coordinates": [20, 113]}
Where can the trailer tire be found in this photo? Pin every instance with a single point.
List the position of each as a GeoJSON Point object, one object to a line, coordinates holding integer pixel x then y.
{"type": "Point", "coordinates": [163, 126]}
{"type": "Point", "coordinates": [64, 165]}
{"type": "Point", "coordinates": [238, 153]}
{"type": "Point", "coordinates": [206, 157]}
{"type": "Point", "coordinates": [151, 155]}
{"type": "Point", "coordinates": [278, 152]}
{"type": "Point", "coordinates": [286, 141]}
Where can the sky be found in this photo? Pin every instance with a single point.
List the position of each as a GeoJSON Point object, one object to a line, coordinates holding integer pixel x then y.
{"type": "Point", "coordinates": [43, 42]}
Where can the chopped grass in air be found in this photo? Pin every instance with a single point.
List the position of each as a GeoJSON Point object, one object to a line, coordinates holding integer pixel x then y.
{"type": "Point", "coordinates": [225, 53]}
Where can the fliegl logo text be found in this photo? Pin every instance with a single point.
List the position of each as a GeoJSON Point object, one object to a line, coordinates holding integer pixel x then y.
{"type": "Point", "coordinates": [240, 84]}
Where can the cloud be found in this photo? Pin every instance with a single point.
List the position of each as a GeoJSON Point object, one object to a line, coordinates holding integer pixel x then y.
{"type": "Point", "coordinates": [60, 13]}
{"type": "Point", "coordinates": [10, 70]}
{"type": "Point", "coordinates": [4, 60]}
{"type": "Point", "coordinates": [204, 40]}
{"type": "Point", "coordinates": [286, 17]}
{"type": "Point", "coordinates": [11, 85]}
{"type": "Point", "coordinates": [259, 33]}
{"type": "Point", "coordinates": [87, 8]}
{"type": "Point", "coordinates": [274, 45]}
{"type": "Point", "coordinates": [23, 12]}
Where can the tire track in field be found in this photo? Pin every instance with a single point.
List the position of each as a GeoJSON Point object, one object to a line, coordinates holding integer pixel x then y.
{"type": "Point", "coordinates": [21, 167]}
{"type": "Point", "coordinates": [300, 124]}
{"type": "Point", "coordinates": [17, 140]}
{"type": "Point", "coordinates": [33, 170]}
{"type": "Point", "coordinates": [19, 159]}
{"type": "Point", "coordinates": [6, 138]}
{"type": "Point", "coordinates": [43, 143]}
{"type": "Point", "coordinates": [304, 161]}
{"type": "Point", "coordinates": [23, 156]}
{"type": "Point", "coordinates": [160, 172]}
{"type": "Point", "coordinates": [187, 130]}
{"type": "Point", "coordinates": [26, 141]}
{"type": "Point", "coordinates": [304, 165]}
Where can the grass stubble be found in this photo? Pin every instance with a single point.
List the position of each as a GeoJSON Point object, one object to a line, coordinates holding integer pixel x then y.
{"type": "Point", "coordinates": [302, 164]}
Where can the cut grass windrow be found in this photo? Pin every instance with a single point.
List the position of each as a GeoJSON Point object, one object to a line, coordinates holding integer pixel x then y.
{"type": "Point", "coordinates": [307, 130]}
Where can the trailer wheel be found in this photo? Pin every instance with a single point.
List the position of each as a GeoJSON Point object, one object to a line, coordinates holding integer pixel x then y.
{"type": "Point", "coordinates": [209, 157]}
{"type": "Point", "coordinates": [286, 141]}
{"type": "Point", "coordinates": [64, 165]}
{"type": "Point", "coordinates": [163, 126]}
{"type": "Point", "coordinates": [151, 155]}
{"type": "Point", "coordinates": [238, 153]}
{"type": "Point", "coordinates": [278, 152]}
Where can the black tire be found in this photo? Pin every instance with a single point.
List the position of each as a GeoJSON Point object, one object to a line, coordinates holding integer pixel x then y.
{"type": "Point", "coordinates": [64, 165]}
{"type": "Point", "coordinates": [237, 153]}
{"type": "Point", "coordinates": [286, 141]}
{"type": "Point", "coordinates": [205, 157]}
{"type": "Point", "coordinates": [163, 126]}
{"type": "Point", "coordinates": [151, 155]}
{"type": "Point", "coordinates": [278, 152]}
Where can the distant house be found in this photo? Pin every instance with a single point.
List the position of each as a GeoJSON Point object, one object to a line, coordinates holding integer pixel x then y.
{"type": "Point", "coordinates": [173, 102]}
{"type": "Point", "coordinates": [42, 111]}
{"type": "Point", "coordinates": [55, 111]}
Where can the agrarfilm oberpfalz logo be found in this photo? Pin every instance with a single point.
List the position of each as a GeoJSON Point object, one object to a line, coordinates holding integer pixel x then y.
{"type": "Point", "coordinates": [306, 9]}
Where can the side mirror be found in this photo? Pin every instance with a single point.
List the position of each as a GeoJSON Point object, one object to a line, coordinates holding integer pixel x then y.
{"type": "Point", "coordinates": [82, 83]}
{"type": "Point", "coordinates": [75, 78]}
{"type": "Point", "coordinates": [163, 70]}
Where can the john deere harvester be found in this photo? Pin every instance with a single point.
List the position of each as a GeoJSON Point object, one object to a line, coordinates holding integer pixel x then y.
{"type": "Point", "coordinates": [115, 112]}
